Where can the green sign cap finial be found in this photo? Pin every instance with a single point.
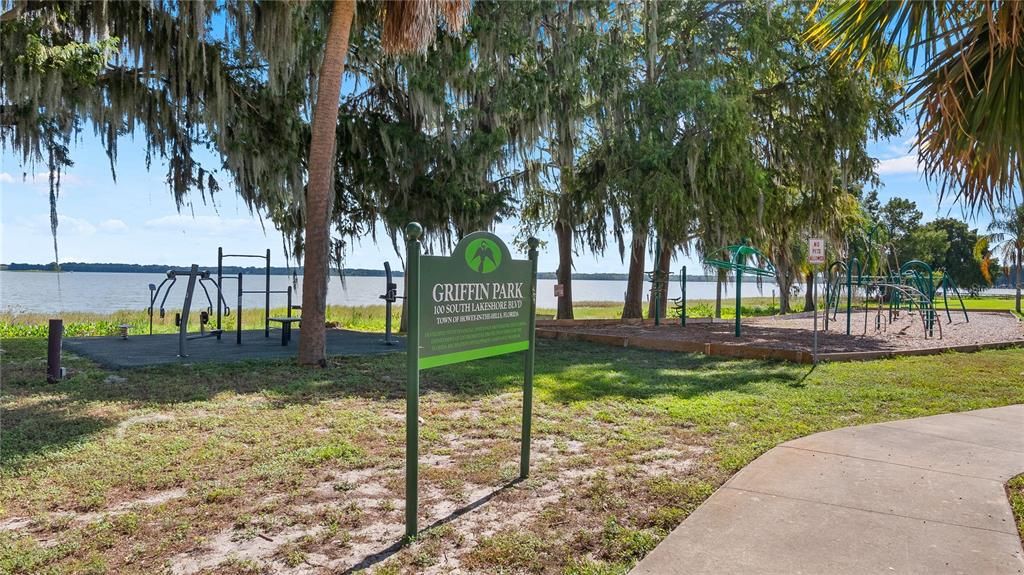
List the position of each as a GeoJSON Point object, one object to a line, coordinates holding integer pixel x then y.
{"type": "Point", "coordinates": [532, 242]}
{"type": "Point", "coordinates": [413, 231]}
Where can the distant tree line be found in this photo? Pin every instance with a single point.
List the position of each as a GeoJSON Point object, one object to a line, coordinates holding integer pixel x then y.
{"type": "Point", "coordinates": [281, 271]}
{"type": "Point", "coordinates": [945, 243]}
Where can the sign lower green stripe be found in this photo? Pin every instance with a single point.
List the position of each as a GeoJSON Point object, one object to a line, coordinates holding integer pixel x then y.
{"type": "Point", "coordinates": [471, 354]}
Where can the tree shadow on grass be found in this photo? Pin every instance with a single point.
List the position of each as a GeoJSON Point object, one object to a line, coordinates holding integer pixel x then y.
{"type": "Point", "coordinates": [566, 372]}
{"type": "Point", "coordinates": [40, 428]}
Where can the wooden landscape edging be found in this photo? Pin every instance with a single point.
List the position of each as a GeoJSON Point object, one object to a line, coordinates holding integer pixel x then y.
{"type": "Point", "coordinates": [549, 330]}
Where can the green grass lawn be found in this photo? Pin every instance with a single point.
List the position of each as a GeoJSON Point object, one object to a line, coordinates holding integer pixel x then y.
{"type": "Point", "coordinates": [984, 303]}
{"type": "Point", "coordinates": [1015, 490]}
{"type": "Point", "coordinates": [266, 466]}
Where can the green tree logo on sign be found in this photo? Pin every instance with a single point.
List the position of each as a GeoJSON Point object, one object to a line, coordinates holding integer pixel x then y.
{"type": "Point", "coordinates": [483, 256]}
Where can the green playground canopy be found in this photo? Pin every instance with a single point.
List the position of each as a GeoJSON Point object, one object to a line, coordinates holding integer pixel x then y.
{"type": "Point", "coordinates": [743, 258]}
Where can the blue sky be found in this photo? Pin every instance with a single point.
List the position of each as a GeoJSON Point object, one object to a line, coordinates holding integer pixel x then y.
{"type": "Point", "coordinates": [135, 219]}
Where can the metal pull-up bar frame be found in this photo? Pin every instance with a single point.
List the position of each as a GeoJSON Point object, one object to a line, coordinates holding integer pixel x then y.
{"type": "Point", "coordinates": [266, 291]}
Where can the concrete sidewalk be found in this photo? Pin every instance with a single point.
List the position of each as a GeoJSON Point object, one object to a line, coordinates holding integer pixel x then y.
{"type": "Point", "coordinates": [917, 496]}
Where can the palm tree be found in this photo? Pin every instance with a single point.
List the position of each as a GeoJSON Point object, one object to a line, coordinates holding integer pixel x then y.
{"type": "Point", "coordinates": [1006, 237]}
{"type": "Point", "coordinates": [969, 94]}
{"type": "Point", "coordinates": [408, 26]}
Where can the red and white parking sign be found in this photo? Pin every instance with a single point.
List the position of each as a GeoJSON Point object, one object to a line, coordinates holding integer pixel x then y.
{"type": "Point", "coordinates": [816, 251]}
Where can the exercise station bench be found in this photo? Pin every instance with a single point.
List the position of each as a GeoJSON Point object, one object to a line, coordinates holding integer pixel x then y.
{"type": "Point", "coordinates": [286, 327]}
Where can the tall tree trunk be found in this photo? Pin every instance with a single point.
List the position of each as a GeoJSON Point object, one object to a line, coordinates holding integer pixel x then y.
{"type": "Point", "coordinates": [563, 234]}
{"type": "Point", "coordinates": [718, 293]}
{"type": "Point", "coordinates": [320, 187]}
{"type": "Point", "coordinates": [633, 308]}
{"type": "Point", "coordinates": [785, 284]}
{"type": "Point", "coordinates": [664, 265]}
{"type": "Point", "coordinates": [809, 291]}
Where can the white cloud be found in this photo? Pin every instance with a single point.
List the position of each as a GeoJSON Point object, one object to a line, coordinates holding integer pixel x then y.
{"type": "Point", "coordinates": [207, 225]}
{"type": "Point", "coordinates": [39, 225]}
{"type": "Point", "coordinates": [906, 164]}
{"type": "Point", "coordinates": [77, 226]}
{"type": "Point", "coordinates": [114, 226]}
{"type": "Point", "coordinates": [6, 178]}
{"type": "Point", "coordinates": [66, 179]}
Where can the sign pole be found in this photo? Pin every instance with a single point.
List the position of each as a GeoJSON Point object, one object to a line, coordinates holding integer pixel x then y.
{"type": "Point", "coordinates": [524, 453]}
{"type": "Point", "coordinates": [814, 298]}
{"type": "Point", "coordinates": [815, 256]}
{"type": "Point", "coordinates": [413, 231]}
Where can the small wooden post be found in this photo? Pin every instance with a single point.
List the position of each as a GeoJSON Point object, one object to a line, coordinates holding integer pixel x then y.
{"type": "Point", "coordinates": [54, 372]}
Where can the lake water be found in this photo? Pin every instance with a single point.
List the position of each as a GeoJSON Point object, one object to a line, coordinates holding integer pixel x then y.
{"type": "Point", "coordinates": [98, 292]}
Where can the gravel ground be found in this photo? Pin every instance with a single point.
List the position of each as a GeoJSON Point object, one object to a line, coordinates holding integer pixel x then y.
{"type": "Point", "coordinates": [796, 332]}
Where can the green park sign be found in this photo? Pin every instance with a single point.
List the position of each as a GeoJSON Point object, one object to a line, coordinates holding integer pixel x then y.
{"type": "Point", "coordinates": [474, 303]}
{"type": "Point", "coordinates": [478, 302]}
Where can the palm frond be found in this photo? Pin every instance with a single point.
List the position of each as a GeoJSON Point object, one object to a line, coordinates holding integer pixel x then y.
{"type": "Point", "coordinates": [969, 97]}
{"type": "Point", "coordinates": [411, 25]}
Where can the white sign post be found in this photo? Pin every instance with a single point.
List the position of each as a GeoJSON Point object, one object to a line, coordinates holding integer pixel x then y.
{"type": "Point", "coordinates": [815, 256]}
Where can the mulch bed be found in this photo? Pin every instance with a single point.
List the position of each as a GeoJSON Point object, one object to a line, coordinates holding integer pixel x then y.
{"type": "Point", "coordinates": [796, 332]}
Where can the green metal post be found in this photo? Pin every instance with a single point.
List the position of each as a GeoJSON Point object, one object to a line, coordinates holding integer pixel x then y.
{"type": "Point", "coordinates": [849, 292]}
{"type": "Point", "coordinates": [741, 260]}
{"type": "Point", "coordinates": [413, 231]}
{"type": "Point", "coordinates": [682, 314]}
{"type": "Point", "coordinates": [739, 285]}
{"type": "Point", "coordinates": [524, 450]}
{"type": "Point", "coordinates": [945, 300]}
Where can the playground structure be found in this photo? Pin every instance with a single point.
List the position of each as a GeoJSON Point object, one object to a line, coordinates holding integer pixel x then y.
{"type": "Point", "coordinates": [913, 288]}
{"type": "Point", "coordinates": [741, 259]}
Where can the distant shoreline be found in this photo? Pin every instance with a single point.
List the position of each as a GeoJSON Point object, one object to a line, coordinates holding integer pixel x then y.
{"type": "Point", "coordinates": [82, 267]}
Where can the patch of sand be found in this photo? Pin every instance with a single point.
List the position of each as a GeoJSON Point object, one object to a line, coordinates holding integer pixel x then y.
{"type": "Point", "coordinates": [142, 420]}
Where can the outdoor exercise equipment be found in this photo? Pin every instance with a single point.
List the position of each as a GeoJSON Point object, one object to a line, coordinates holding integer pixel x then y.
{"type": "Point", "coordinates": [219, 303]}
{"type": "Point", "coordinates": [679, 303]}
{"type": "Point", "coordinates": [266, 291]}
{"type": "Point", "coordinates": [742, 259]}
{"type": "Point", "coordinates": [286, 321]}
{"type": "Point", "coordinates": [389, 296]}
{"type": "Point", "coordinates": [181, 319]}
{"type": "Point", "coordinates": [659, 283]}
